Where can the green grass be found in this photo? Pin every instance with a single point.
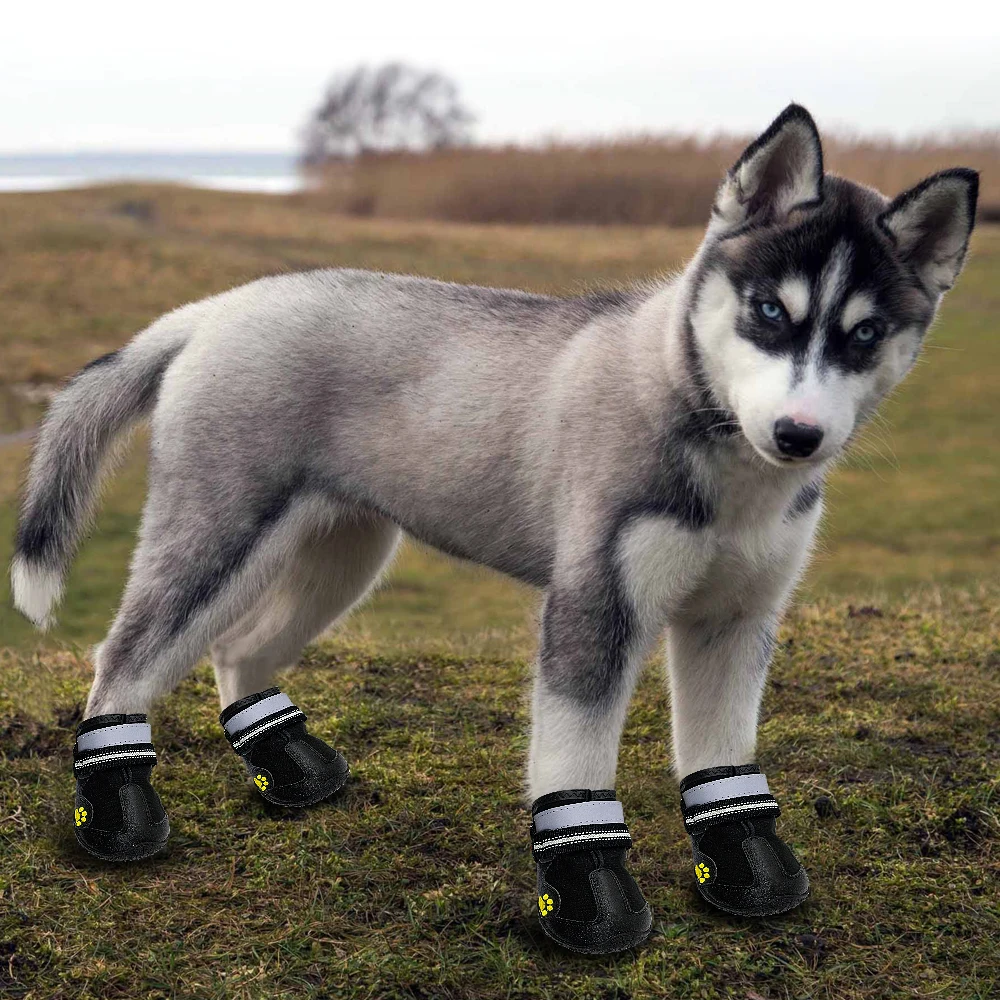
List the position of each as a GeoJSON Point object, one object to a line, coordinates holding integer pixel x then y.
{"type": "Point", "coordinates": [417, 881]}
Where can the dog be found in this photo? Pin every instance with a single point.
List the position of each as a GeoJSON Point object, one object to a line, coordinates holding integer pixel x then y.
{"type": "Point", "coordinates": [652, 459]}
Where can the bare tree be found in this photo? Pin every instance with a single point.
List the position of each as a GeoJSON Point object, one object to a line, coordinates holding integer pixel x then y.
{"type": "Point", "coordinates": [385, 108]}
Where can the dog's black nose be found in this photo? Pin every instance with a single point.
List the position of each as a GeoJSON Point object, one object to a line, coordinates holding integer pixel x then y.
{"type": "Point", "coordinates": [796, 440]}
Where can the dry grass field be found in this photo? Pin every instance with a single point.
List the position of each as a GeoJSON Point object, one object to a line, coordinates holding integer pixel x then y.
{"type": "Point", "coordinates": [665, 181]}
{"type": "Point", "coordinates": [417, 882]}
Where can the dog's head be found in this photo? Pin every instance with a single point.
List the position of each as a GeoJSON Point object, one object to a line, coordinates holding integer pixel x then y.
{"type": "Point", "coordinates": [811, 294]}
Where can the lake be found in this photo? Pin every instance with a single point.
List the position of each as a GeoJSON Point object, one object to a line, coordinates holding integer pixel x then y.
{"type": "Point", "coordinates": [274, 173]}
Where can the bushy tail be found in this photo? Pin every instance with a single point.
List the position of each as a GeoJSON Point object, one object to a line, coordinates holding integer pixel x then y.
{"type": "Point", "coordinates": [101, 402]}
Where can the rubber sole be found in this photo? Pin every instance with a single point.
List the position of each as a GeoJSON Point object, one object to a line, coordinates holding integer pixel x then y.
{"type": "Point", "coordinates": [612, 947]}
{"type": "Point", "coordinates": [791, 902]}
{"type": "Point", "coordinates": [136, 852]}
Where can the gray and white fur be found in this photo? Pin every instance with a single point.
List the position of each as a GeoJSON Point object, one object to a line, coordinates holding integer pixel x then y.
{"type": "Point", "coordinates": [652, 459]}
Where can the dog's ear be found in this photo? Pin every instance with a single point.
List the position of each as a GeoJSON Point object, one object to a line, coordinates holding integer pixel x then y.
{"type": "Point", "coordinates": [780, 170]}
{"type": "Point", "coordinates": [931, 225]}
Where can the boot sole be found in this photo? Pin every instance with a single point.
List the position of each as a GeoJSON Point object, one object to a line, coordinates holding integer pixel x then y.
{"type": "Point", "coordinates": [610, 948]}
{"type": "Point", "coordinates": [139, 852]}
{"type": "Point", "coordinates": [788, 904]}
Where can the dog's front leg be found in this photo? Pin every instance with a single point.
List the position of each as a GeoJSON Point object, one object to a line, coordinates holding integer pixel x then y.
{"type": "Point", "coordinates": [587, 669]}
{"type": "Point", "coordinates": [590, 653]}
{"type": "Point", "coordinates": [718, 666]}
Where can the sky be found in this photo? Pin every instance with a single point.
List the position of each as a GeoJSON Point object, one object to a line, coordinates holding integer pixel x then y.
{"type": "Point", "coordinates": [217, 76]}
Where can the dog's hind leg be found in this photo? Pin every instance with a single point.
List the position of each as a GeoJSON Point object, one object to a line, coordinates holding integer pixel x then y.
{"type": "Point", "coordinates": [331, 570]}
{"type": "Point", "coordinates": [196, 570]}
{"type": "Point", "coordinates": [194, 574]}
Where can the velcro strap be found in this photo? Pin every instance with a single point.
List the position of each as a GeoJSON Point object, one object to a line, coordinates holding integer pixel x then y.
{"type": "Point", "coordinates": [737, 787]}
{"type": "Point", "coordinates": [576, 838]}
{"type": "Point", "coordinates": [241, 740]}
{"type": "Point", "coordinates": [115, 756]}
{"type": "Point", "coordinates": [595, 812]}
{"type": "Point", "coordinates": [723, 811]}
{"type": "Point", "coordinates": [110, 736]}
{"type": "Point", "coordinates": [726, 799]}
{"type": "Point", "coordinates": [258, 710]}
{"type": "Point", "coordinates": [578, 825]}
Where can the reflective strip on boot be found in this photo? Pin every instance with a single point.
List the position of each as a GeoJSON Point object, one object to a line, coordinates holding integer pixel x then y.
{"type": "Point", "coordinates": [722, 799]}
{"type": "Point", "coordinates": [114, 745]}
{"type": "Point", "coordinates": [578, 825]}
{"type": "Point", "coordinates": [260, 717]}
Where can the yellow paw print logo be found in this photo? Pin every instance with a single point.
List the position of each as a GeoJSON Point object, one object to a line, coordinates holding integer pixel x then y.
{"type": "Point", "coordinates": [545, 904]}
{"type": "Point", "coordinates": [702, 872]}
{"type": "Point", "coordinates": [261, 782]}
{"type": "Point", "coordinates": [80, 815]}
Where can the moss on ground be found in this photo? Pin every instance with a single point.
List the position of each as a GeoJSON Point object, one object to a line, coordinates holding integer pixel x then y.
{"type": "Point", "coordinates": [881, 738]}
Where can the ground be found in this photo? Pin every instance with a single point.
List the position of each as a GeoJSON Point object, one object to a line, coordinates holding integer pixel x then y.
{"type": "Point", "coordinates": [880, 734]}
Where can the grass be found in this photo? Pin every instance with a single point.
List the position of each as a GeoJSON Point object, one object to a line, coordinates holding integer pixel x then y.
{"type": "Point", "coordinates": [416, 882]}
{"type": "Point", "coordinates": [667, 180]}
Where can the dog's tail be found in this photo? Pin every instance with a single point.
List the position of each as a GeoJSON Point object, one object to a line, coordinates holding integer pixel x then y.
{"type": "Point", "coordinates": [97, 407]}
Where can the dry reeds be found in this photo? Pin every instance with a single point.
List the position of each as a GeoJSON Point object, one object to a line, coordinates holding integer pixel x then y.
{"type": "Point", "coordinates": [664, 181]}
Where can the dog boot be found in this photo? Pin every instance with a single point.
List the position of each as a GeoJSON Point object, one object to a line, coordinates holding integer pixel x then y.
{"type": "Point", "coordinates": [587, 900]}
{"type": "Point", "coordinates": [741, 865]}
{"type": "Point", "coordinates": [288, 766]}
{"type": "Point", "coordinates": [118, 815]}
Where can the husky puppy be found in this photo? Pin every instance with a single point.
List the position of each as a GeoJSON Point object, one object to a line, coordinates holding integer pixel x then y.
{"type": "Point", "coordinates": [652, 459]}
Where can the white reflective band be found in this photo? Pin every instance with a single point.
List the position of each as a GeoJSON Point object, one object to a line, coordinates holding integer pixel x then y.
{"type": "Point", "coordinates": [729, 810]}
{"type": "Point", "coordinates": [259, 710]}
{"type": "Point", "coordinates": [581, 838]}
{"type": "Point", "coordinates": [102, 758]}
{"type": "Point", "coordinates": [114, 736]}
{"type": "Point", "coordinates": [579, 814]}
{"type": "Point", "coordinates": [249, 734]}
{"type": "Point", "coordinates": [726, 788]}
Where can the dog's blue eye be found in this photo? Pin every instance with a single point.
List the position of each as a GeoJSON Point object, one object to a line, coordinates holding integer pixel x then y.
{"type": "Point", "coordinates": [864, 333]}
{"type": "Point", "coordinates": [771, 311]}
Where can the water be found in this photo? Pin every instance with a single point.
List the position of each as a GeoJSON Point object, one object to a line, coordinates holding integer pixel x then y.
{"type": "Point", "coordinates": [272, 173]}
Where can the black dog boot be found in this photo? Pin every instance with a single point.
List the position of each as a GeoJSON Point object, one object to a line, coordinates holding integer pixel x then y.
{"type": "Point", "coordinates": [118, 815]}
{"type": "Point", "coordinates": [741, 865]}
{"type": "Point", "coordinates": [587, 900]}
{"type": "Point", "coordinates": [288, 766]}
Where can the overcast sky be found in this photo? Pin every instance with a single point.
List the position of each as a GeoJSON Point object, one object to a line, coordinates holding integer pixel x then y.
{"type": "Point", "coordinates": [201, 75]}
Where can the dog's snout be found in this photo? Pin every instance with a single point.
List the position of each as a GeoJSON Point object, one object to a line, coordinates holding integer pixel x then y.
{"type": "Point", "coordinates": [796, 440]}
